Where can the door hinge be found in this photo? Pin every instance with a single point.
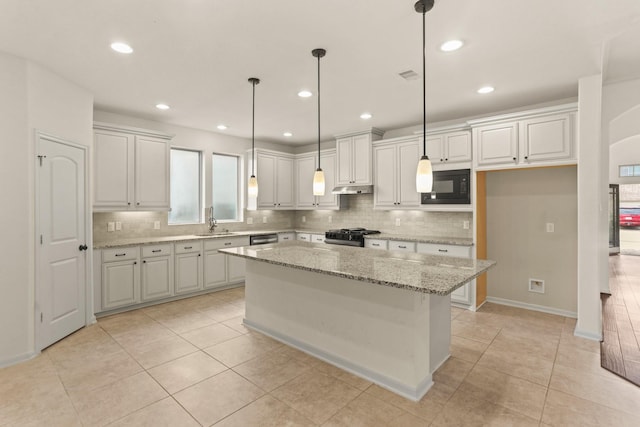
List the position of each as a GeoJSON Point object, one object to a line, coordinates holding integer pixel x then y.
{"type": "Point", "coordinates": [41, 239]}
{"type": "Point", "coordinates": [41, 317]}
{"type": "Point", "coordinates": [40, 157]}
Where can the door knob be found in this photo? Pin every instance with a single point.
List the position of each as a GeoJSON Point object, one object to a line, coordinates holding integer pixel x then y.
{"type": "Point", "coordinates": [82, 248]}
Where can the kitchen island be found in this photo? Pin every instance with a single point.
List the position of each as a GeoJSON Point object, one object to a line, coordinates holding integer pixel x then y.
{"type": "Point", "coordinates": [384, 316]}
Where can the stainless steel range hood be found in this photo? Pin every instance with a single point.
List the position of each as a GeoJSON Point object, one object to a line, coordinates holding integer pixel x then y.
{"type": "Point", "coordinates": [353, 189]}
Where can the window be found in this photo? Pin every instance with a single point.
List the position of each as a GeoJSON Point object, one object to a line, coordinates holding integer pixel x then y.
{"type": "Point", "coordinates": [185, 187]}
{"type": "Point", "coordinates": [225, 188]}
{"type": "Point", "coordinates": [629, 170]}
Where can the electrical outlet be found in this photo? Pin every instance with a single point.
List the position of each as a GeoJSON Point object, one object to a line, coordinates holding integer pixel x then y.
{"type": "Point", "coordinates": [249, 220]}
{"type": "Point", "coordinates": [330, 219]}
{"type": "Point", "coordinates": [118, 226]}
{"type": "Point", "coordinates": [465, 225]}
{"type": "Point", "coordinates": [304, 218]}
{"type": "Point", "coordinates": [397, 222]}
{"type": "Point", "coordinates": [111, 226]}
{"type": "Point", "coordinates": [156, 225]}
{"type": "Point", "coordinates": [536, 285]}
{"type": "Point", "coordinates": [264, 219]}
{"type": "Point", "coordinates": [551, 227]}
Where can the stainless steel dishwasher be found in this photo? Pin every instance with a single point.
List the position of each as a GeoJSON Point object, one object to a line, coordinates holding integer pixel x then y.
{"type": "Point", "coordinates": [263, 239]}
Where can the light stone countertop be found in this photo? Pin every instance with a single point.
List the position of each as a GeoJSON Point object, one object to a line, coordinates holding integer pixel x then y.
{"type": "Point", "coordinates": [458, 241]}
{"type": "Point", "coordinates": [412, 271]}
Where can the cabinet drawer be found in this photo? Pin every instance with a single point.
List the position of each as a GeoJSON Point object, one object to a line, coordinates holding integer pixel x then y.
{"type": "Point", "coordinates": [286, 237]}
{"type": "Point", "coordinates": [375, 244]}
{"type": "Point", "coordinates": [120, 254]}
{"type": "Point", "coordinates": [317, 238]}
{"type": "Point", "coordinates": [445, 250]}
{"type": "Point", "coordinates": [188, 247]}
{"type": "Point", "coordinates": [156, 250]}
{"type": "Point", "coordinates": [395, 245]}
{"type": "Point", "coordinates": [305, 237]}
{"type": "Point", "coordinates": [227, 242]}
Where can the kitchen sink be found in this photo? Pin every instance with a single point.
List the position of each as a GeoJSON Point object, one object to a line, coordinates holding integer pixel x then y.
{"type": "Point", "coordinates": [217, 234]}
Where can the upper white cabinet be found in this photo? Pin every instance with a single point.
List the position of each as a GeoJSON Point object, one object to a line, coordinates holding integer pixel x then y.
{"type": "Point", "coordinates": [395, 163]}
{"type": "Point", "coordinates": [275, 179]}
{"type": "Point", "coordinates": [354, 157]}
{"type": "Point", "coordinates": [448, 148]}
{"type": "Point", "coordinates": [533, 138]}
{"type": "Point", "coordinates": [305, 167]}
{"type": "Point", "coordinates": [131, 169]}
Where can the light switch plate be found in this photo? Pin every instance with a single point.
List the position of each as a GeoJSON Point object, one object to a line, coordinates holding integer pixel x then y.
{"type": "Point", "coordinates": [111, 226]}
{"type": "Point", "coordinates": [156, 225]}
{"type": "Point", "coordinates": [249, 220]}
{"type": "Point", "coordinates": [551, 227]}
{"type": "Point", "coordinates": [330, 219]}
{"type": "Point", "coordinates": [465, 225]}
{"type": "Point", "coordinates": [304, 218]}
{"type": "Point", "coordinates": [264, 219]}
{"type": "Point", "coordinates": [397, 222]}
{"type": "Point", "coordinates": [118, 226]}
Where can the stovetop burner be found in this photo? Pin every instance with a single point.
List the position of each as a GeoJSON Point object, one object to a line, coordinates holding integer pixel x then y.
{"type": "Point", "coordinates": [348, 236]}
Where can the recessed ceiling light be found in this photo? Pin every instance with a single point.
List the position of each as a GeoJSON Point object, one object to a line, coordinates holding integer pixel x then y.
{"type": "Point", "coordinates": [304, 94]}
{"type": "Point", "coordinates": [451, 45]}
{"type": "Point", "coordinates": [486, 89]}
{"type": "Point", "coordinates": [222, 127]}
{"type": "Point", "coordinates": [365, 116]}
{"type": "Point", "coordinates": [162, 106]}
{"type": "Point", "coordinates": [121, 47]}
{"type": "Point", "coordinates": [288, 134]}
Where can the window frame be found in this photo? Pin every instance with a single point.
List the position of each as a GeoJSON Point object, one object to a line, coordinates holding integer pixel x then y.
{"type": "Point", "coordinates": [239, 190]}
{"type": "Point", "coordinates": [635, 171]}
{"type": "Point", "coordinates": [200, 186]}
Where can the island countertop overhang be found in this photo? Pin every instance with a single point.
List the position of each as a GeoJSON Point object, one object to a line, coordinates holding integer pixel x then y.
{"type": "Point", "coordinates": [411, 271]}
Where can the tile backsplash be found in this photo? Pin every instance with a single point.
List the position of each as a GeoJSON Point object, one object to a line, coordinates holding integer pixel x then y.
{"type": "Point", "coordinates": [356, 211]}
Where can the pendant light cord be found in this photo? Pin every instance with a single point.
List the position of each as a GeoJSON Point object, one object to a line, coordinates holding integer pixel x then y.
{"type": "Point", "coordinates": [318, 111]}
{"type": "Point", "coordinates": [253, 127]}
{"type": "Point", "coordinates": [424, 86]}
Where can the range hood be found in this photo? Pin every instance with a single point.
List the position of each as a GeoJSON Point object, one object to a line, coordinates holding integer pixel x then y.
{"type": "Point", "coordinates": [353, 189]}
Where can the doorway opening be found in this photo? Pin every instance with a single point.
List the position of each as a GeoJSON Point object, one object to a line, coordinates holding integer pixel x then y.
{"type": "Point", "coordinates": [629, 219]}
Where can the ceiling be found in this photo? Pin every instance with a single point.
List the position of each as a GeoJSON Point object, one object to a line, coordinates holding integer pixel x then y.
{"type": "Point", "coordinates": [196, 56]}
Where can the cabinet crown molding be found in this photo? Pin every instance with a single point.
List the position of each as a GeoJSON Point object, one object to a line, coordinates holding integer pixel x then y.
{"type": "Point", "coordinates": [555, 109]}
{"type": "Point", "coordinates": [445, 129]}
{"type": "Point", "coordinates": [373, 131]}
{"type": "Point", "coordinates": [131, 129]}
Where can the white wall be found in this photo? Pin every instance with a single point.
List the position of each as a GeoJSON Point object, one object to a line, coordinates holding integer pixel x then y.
{"type": "Point", "coordinates": [32, 99]}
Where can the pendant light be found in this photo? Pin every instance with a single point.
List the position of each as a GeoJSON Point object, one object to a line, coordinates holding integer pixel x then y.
{"type": "Point", "coordinates": [318, 177]}
{"type": "Point", "coordinates": [252, 189]}
{"type": "Point", "coordinates": [424, 174]}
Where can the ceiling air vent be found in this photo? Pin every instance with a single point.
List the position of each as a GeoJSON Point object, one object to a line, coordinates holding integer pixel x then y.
{"type": "Point", "coordinates": [409, 75]}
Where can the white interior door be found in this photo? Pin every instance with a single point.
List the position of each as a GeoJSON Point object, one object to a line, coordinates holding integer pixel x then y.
{"type": "Point", "coordinates": [61, 244]}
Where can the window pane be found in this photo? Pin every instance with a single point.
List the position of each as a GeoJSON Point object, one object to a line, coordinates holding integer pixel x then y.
{"type": "Point", "coordinates": [225, 187]}
{"type": "Point", "coordinates": [185, 187]}
{"type": "Point", "coordinates": [636, 170]}
{"type": "Point", "coordinates": [626, 171]}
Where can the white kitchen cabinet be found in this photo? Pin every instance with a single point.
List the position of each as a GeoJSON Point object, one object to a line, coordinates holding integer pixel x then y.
{"type": "Point", "coordinates": [275, 180]}
{"type": "Point", "coordinates": [286, 237]}
{"type": "Point", "coordinates": [131, 169]}
{"type": "Point", "coordinates": [156, 272]}
{"type": "Point", "coordinates": [188, 267]}
{"type": "Point", "coordinates": [304, 237]}
{"type": "Point", "coordinates": [529, 139]}
{"type": "Point", "coordinates": [221, 269]}
{"type": "Point", "coordinates": [317, 238]}
{"type": "Point", "coordinates": [402, 246]}
{"type": "Point", "coordinates": [451, 148]}
{"type": "Point", "coordinates": [375, 244]}
{"type": "Point", "coordinates": [462, 295]}
{"type": "Point", "coordinates": [395, 174]}
{"type": "Point", "coordinates": [354, 157]}
{"type": "Point", "coordinates": [305, 167]}
{"type": "Point", "coordinates": [120, 277]}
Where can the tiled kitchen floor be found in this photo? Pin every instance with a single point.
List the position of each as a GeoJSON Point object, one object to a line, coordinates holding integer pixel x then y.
{"type": "Point", "coordinates": [191, 362]}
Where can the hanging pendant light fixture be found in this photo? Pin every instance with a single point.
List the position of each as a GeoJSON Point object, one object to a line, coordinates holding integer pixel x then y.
{"type": "Point", "coordinates": [424, 174]}
{"type": "Point", "coordinates": [318, 177]}
{"type": "Point", "coordinates": [252, 189]}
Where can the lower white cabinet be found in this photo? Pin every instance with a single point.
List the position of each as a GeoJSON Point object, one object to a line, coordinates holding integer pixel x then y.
{"type": "Point", "coordinates": [317, 238]}
{"type": "Point", "coordinates": [375, 244]}
{"type": "Point", "coordinates": [305, 237]}
{"type": "Point", "coordinates": [221, 269]}
{"type": "Point", "coordinates": [400, 246]}
{"type": "Point", "coordinates": [286, 237]}
{"type": "Point", "coordinates": [462, 295]}
{"type": "Point", "coordinates": [120, 277]}
{"type": "Point", "coordinates": [156, 272]}
{"type": "Point", "coordinates": [188, 267]}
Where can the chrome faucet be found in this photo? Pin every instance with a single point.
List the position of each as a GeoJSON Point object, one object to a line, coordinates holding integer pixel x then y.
{"type": "Point", "coordinates": [212, 221]}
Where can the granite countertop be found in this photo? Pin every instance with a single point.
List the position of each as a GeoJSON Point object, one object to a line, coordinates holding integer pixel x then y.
{"type": "Point", "coordinates": [412, 271]}
{"type": "Point", "coordinates": [458, 241]}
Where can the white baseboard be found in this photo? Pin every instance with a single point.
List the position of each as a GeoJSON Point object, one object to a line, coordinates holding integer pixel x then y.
{"type": "Point", "coordinates": [534, 307]}
{"type": "Point", "coordinates": [18, 359]}
{"type": "Point", "coordinates": [588, 335]}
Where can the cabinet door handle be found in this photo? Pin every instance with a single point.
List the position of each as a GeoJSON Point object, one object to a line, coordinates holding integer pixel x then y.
{"type": "Point", "coordinates": [446, 160]}
{"type": "Point", "coordinates": [138, 203]}
{"type": "Point", "coordinates": [526, 157]}
{"type": "Point", "coordinates": [443, 250]}
{"type": "Point", "coordinates": [188, 247]}
{"type": "Point", "coordinates": [156, 250]}
{"type": "Point", "coordinates": [402, 247]}
{"type": "Point", "coordinates": [375, 244]}
{"type": "Point", "coordinates": [199, 254]}
{"type": "Point", "coordinates": [144, 261]}
{"type": "Point", "coordinates": [128, 203]}
{"type": "Point", "coordinates": [135, 262]}
{"type": "Point", "coordinates": [227, 244]}
{"type": "Point", "coordinates": [514, 159]}
{"type": "Point", "coordinates": [121, 254]}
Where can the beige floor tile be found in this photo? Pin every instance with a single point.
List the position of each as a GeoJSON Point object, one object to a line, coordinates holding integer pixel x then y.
{"type": "Point", "coordinates": [156, 352]}
{"type": "Point", "coordinates": [347, 377]}
{"type": "Point", "coordinates": [582, 360]}
{"type": "Point", "coordinates": [300, 356]}
{"type": "Point", "coordinates": [505, 390]}
{"type": "Point", "coordinates": [525, 365]}
{"type": "Point", "coordinates": [426, 409]}
{"type": "Point", "coordinates": [60, 414]}
{"type": "Point", "coordinates": [125, 323]}
{"type": "Point", "coordinates": [164, 413]}
{"type": "Point", "coordinates": [466, 349]}
{"type": "Point", "coordinates": [483, 319]}
{"type": "Point", "coordinates": [186, 371]}
{"type": "Point", "coordinates": [472, 331]}
{"type": "Point", "coordinates": [455, 312]}
{"type": "Point", "coordinates": [612, 391]}
{"type": "Point", "coordinates": [237, 324]}
{"type": "Point", "coordinates": [241, 349]}
{"type": "Point", "coordinates": [185, 321]}
{"type": "Point", "coordinates": [114, 401]}
{"type": "Point", "coordinates": [447, 379]}
{"type": "Point", "coordinates": [364, 411]}
{"type": "Point", "coordinates": [316, 395]}
{"type": "Point", "coordinates": [562, 409]}
{"type": "Point", "coordinates": [266, 412]}
{"type": "Point", "coordinates": [210, 335]}
{"type": "Point", "coordinates": [217, 397]}
{"type": "Point", "coordinates": [580, 343]}
{"type": "Point", "coordinates": [224, 312]}
{"type": "Point", "coordinates": [515, 340]}
{"type": "Point", "coordinates": [465, 409]}
{"type": "Point", "coordinates": [271, 370]}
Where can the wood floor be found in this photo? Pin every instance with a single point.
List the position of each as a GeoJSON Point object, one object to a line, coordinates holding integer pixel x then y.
{"type": "Point", "coordinates": [620, 349]}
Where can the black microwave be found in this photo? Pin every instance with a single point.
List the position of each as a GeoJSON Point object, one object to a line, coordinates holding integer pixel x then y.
{"type": "Point", "coordinates": [449, 187]}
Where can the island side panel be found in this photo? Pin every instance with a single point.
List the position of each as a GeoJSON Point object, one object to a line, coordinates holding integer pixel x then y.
{"type": "Point", "coordinates": [381, 333]}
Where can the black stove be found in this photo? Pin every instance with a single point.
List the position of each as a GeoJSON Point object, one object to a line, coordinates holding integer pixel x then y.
{"type": "Point", "coordinates": [348, 236]}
